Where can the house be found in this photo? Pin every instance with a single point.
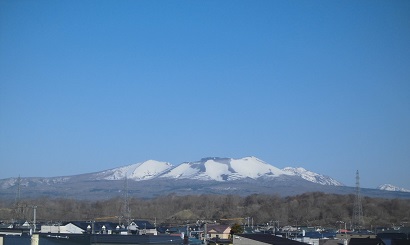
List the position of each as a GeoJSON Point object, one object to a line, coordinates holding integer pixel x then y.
{"type": "Point", "coordinates": [142, 227]}
{"type": "Point", "coordinates": [262, 239]}
{"type": "Point", "coordinates": [108, 239]}
{"type": "Point", "coordinates": [218, 231]}
{"type": "Point", "coordinates": [61, 228]}
{"type": "Point", "coordinates": [172, 230]}
{"type": "Point", "coordinates": [17, 228]}
{"type": "Point", "coordinates": [22, 224]}
{"type": "Point", "coordinates": [98, 227]}
{"type": "Point", "coordinates": [6, 226]}
{"type": "Point", "coordinates": [80, 227]}
{"type": "Point", "coordinates": [217, 234]}
{"type": "Point", "coordinates": [177, 230]}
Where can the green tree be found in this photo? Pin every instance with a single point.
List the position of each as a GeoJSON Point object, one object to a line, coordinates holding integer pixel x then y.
{"type": "Point", "coordinates": [236, 229]}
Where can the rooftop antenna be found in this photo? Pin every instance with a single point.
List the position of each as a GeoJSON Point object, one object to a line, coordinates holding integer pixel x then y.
{"type": "Point", "coordinates": [358, 221]}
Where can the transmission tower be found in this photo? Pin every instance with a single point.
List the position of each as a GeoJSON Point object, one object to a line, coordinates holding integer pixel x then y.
{"type": "Point", "coordinates": [18, 192]}
{"type": "Point", "coordinates": [126, 213]}
{"type": "Point", "coordinates": [19, 209]}
{"type": "Point", "coordinates": [357, 220]}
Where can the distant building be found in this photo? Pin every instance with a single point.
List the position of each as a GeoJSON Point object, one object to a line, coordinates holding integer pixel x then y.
{"type": "Point", "coordinates": [142, 227]}
{"type": "Point", "coordinates": [19, 228]}
{"type": "Point", "coordinates": [262, 239]}
{"type": "Point", "coordinates": [80, 227]}
{"type": "Point", "coordinates": [218, 231]}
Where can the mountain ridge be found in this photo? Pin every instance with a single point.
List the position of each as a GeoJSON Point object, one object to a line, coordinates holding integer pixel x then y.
{"type": "Point", "coordinates": [212, 175]}
{"type": "Point", "coordinates": [137, 171]}
{"type": "Point", "coordinates": [211, 169]}
{"type": "Point", "coordinates": [390, 187]}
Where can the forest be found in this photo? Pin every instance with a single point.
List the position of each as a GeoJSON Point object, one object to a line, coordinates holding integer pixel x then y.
{"type": "Point", "coordinates": [309, 209]}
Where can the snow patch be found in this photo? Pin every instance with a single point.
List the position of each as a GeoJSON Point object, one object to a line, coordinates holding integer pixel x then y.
{"type": "Point", "coordinates": [224, 169]}
{"type": "Point", "coordinates": [311, 176]}
{"type": "Point", "coordinates": [390, 187]}
{"type": "Point", "coordinates": [253, 167]}
{"type": "Point", "coordinates": [184, 170]}
{"type": "Point", "coordinates": [138, 171]}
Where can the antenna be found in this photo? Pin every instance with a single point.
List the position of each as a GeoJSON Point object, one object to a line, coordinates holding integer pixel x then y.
{"type": "Point", "coordinates": [358, 221]}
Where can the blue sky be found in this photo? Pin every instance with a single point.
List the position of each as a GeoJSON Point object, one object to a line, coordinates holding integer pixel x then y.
{"type": "Point", "coordinates": [91, 85]}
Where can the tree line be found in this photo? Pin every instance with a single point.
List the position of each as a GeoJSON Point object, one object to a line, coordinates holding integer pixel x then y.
{"type": "Point", "coordinates": [309, 209]}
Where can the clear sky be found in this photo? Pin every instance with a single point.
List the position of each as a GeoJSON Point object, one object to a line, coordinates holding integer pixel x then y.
{"type": "Point", "coordinates": [87, 86]}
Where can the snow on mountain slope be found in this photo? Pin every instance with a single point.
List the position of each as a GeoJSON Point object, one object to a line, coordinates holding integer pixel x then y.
{"type": "Point", "coordinates": [312, 177]}
{"type": "Point", "coordinates": [389, 187]}
{"type": "Point", "coordinates": [138, 171]}
{"type": "Point", "coordinates": [202, 170]}
{"type": "Point", "coordinates": [184, 171]}
{"type": "Point", "coordinates": [223, 169]}
{"type": "Point", "coordinates": [7, 183]}
{"type": "Point", "coordinates": [253, 167]}
{"type": "Point", "coordinates": [211, 169]}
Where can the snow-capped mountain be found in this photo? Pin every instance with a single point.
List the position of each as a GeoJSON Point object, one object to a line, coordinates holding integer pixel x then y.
{"type": "Point", "coordinates": [211, 169]}
{"type": "Point", "coordinates": [223, 169]}
{"type": "Point", "coordinates": [213, 175]}
{"type": "Point", "coordinates": [312, 177]}
{"type": "Point", "coordinates": [389, 187]}
{"type": "Point", "coordinates": [228, 169]}
{"type": "Point", "coordinates": [207, 169]}
{"type": "Point", "coordinates": [138, 171]}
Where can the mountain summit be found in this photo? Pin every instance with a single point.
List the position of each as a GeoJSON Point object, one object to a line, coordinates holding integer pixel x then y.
{"type": "Point", "coordinates": [211, 169]}
{"type": "Point", "coordinates": [138, 171]}
{"type": "Point", "coordinates": [223, 169]}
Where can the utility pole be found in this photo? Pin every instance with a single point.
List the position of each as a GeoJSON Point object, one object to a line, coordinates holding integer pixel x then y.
{"type": "Point", "coordinates": [205, 234]}
{"type": "Point", "coordinates": [34, 218]}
